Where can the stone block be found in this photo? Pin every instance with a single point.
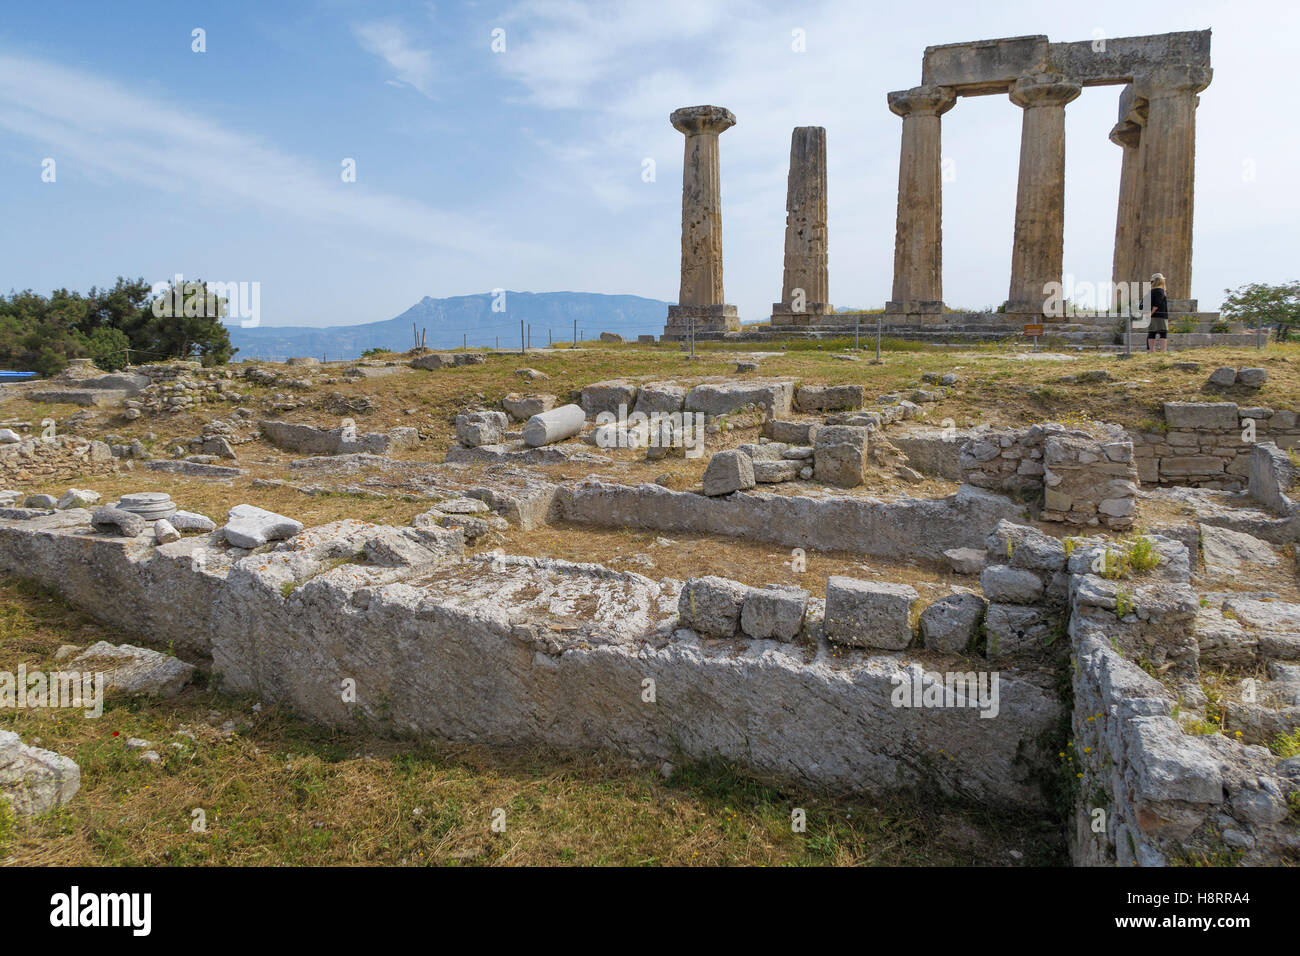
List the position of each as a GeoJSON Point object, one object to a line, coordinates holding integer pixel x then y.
{"type": "Point", "coordinates": [869, 613]}
{"type": "Point", "coordinates": [1184, 466]}
{"type": "Point", "coordinates": [965, 560]}
{"type": "Point", "coordinates": [952, 622]}
{"type": "Point", "coordinates": [662, 397]}
{"type": "Point", "coordinates": [35, 781]}
{"type": "Point", "coordinates": [1017, 631]}
{"type": "Point", "coordinates": [773, 472]}
{"type": "Point", "coordinates": [828, 398]}
{"type": "Point", "coordinates": [248, 526]}
{"type": "Point", "coordinates": [774, 612]}
{"type": "Point", "coordinates": [723, 398]}
{"type": "Point", "coordinates": [1226, 551]}
{"type": "Point", "coordinates": [712, 605]}
{"type": "Point", "coordinates": [1025, 547]}
{"type": "Point", "coordinates": [728, 471]}
{"type": "Point", "coordinates": [1272, 477]}
{"type": "Point", "coordinates": [1201, 415]}
{"type": "Point", "coordinates": [840, 455]}
{"type": "Point", "coordinates": [480, 428]}
{"type": "Point", "coordinates": [608, 397]}
{"type": "Point", "coordinates": [792, 433]}
{"type": "Point", "coordinates": [1003, 584]}
{"type": "Point", "coordinates": [523, 407]}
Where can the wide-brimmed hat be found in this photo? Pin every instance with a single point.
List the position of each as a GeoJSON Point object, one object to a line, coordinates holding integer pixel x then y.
{"type": "Point", "coordinates": [1158, 279]}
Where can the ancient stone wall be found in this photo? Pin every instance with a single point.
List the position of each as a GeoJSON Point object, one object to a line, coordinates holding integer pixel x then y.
{"type": "Point", "coordinates": [1146, 789]}
{"type": "Point", "coordinates": [35, 461]}
{"type": "Point", "coordinates": [1085, 478]}
{"type": "Point", "coordinates": [906, 528]}
{"type": "Point", "coordinates": [1208, 444]}
{"type": "Point", "coordinates": [486, 649]}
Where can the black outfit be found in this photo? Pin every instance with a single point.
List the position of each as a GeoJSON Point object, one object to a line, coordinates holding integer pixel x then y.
{"type": "Point", "coordinates": [1159, 328]}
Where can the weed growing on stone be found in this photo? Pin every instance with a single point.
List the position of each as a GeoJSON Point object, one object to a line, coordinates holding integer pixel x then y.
{"type": "Point", "coordinates": [1287, 745]}
{"type": "Point", "coordinates": [1124, 605]}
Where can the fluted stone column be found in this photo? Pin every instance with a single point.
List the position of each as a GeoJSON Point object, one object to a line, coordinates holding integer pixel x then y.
{"type": "Point", "coordinates": [701, 296]}
{"type": "Point", "coordinates": [1036, 252]}
{"type": "Point", "coordinates": [918, 241]}
{"type": "Point", "coordinates": [1168, 173]}
{"type": "Point", "coordinates": [804, 289]}
{"type": "Point", "coordinates": [1127, 134]}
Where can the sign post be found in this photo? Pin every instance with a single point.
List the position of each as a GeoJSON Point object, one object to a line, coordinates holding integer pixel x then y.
{"type": "Point", "coordinates": [1034, 331]}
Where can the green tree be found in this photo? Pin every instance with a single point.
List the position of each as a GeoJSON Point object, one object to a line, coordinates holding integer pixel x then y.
{"type": "Point", "coordinates": [42, 334]}
{"type": "Point", "coordinates": [108, 347]}
{"type": "Point", "coordinates": [187, 323]}
{"type": "Point", "coordinates": [1257, 302]}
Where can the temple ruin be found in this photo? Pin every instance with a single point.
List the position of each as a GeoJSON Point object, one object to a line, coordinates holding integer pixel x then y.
{"type": "Point", "coordinates": [1161, 77]}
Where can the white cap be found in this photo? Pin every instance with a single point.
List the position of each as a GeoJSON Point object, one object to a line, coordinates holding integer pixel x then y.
{"type": "Point", "coordinates": [1157, 277]}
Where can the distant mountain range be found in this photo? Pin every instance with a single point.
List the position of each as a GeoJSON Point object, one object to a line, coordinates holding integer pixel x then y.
{"type": "Point", "coordinates": [463, 320]}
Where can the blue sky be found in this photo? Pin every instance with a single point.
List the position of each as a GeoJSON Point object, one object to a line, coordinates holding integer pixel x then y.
{"type": "Point", "coordinates": [522, 169]}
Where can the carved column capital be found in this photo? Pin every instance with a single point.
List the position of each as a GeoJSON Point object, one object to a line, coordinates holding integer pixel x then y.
{"type": "Point", "coordinates": [1174, 80]}
{"type": "Point", "coordinates": [922, 101]}
{"type": "Point", "coordinates": [1127, 133]}
{"type": "Point", "coordinates": [1043, 89]}
{"type": "Point", "coordinates": [702, 119]}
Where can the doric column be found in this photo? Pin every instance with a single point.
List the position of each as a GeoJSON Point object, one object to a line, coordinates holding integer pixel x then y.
{"type": "Point", "coordinates": [1036, 251]}
{"type": "Point", "coordinates": [1127, 134]}
{"type": "Point", "coordinates": [918, 241]}
{"type": "Point", "coordinates": [1168, 173]}
{"type": "Point", "coordinates": [804, 289]}
{"type": "Point", "coordinates": [701, 296]}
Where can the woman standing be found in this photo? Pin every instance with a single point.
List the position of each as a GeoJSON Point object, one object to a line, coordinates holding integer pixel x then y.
{"type": "Point", "coordinates": [1158, 330]}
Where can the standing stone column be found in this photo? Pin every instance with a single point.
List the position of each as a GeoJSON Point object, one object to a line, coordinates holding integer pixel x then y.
{"type": "Point", "coordinates": [918, 241]}
{"type": "Point", "coordinates": [1036, 252]}
{"type": "Point", "coordinates": [701, 295]}
{"type": "Point", "coordinates": [804, 289]}
{"type": "Point", "coordinates": [1168, 171]}
{"type": "Point", "coordinates": [1127, 134]}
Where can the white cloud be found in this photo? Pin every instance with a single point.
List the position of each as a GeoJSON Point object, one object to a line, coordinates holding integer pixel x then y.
{"type": "Point", "coordinates": [387, 40]}
{"type": "Point", "coordinates": [175, 149]}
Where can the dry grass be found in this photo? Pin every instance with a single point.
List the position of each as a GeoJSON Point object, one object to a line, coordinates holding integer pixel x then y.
{"type": "Point", "coordinates": [682, 556]}
{"type": "Point", "coordinates": [280, 791]}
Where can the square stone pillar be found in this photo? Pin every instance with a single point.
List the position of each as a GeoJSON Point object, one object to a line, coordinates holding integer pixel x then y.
{"type": "Point", "coordinates": [918, 240]}
{"type": "Point", "coordinates": [805, 286]}
{"type": "Point", "coordinates": [1036, 251]}
{"type": "Point", "coordinates": [701, 297]}
{"type": "Point", "coordinates": [1168, 171]}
